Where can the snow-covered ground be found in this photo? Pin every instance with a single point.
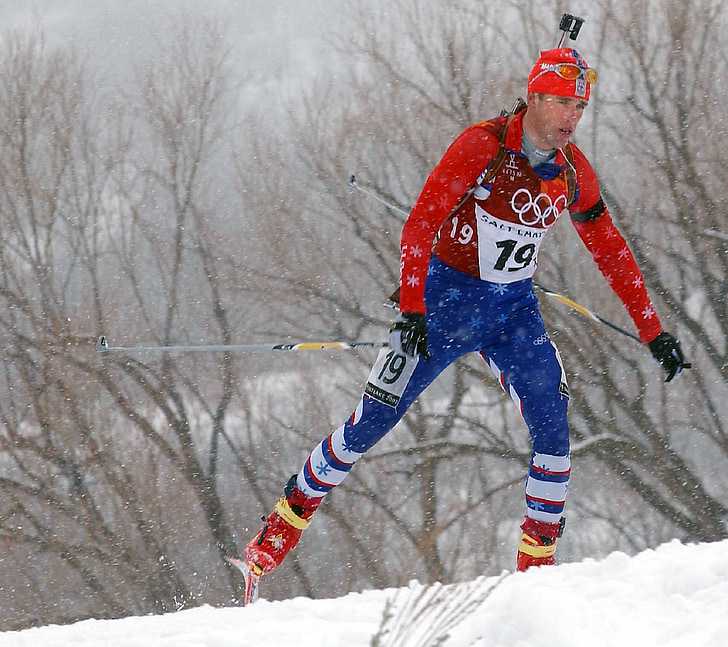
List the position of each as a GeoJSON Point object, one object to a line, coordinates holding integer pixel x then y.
{"type": "Point", "coordinates": [674, 596]}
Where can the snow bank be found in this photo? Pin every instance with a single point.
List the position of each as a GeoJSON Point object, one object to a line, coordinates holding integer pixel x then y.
{"type": "Point", "coordinates": [673, 596]}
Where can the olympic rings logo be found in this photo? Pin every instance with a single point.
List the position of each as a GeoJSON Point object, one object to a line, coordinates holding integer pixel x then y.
{"type": "Point", "coordinates": [541, 208]}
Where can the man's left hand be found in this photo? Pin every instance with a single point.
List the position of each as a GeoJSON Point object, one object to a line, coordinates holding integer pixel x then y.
{"type": "Point", "coordinates": [666, 350]}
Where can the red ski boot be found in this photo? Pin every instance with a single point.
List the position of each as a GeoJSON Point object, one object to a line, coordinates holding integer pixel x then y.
{"type": "Point", "coordinates": [281, 530]}
{"type": "Point", "coordinates": [538, 543]}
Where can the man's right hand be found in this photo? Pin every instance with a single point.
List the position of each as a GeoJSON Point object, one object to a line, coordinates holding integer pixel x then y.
{"type": "Point", "coordinates": [408, 335]}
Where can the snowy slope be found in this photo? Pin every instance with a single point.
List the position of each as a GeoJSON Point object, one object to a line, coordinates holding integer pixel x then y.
{"type": "Point", "coordinates": [674, 596]}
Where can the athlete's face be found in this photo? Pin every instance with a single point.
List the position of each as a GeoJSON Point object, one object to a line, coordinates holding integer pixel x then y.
{"type": "Point", "coordinates": [551, 120]}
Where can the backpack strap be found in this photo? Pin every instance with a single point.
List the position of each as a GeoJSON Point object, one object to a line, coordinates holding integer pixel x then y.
{"type": "Point", "coordinates": [519, 106]}
{"type": "Point", "coordinates": [491, 171]}
{"type": "Point", "coordinates": [500, 156]}
{"type": "Point", "coordinates": [570, 172]}
{"type": "Point", "coordinates": [490, 174]}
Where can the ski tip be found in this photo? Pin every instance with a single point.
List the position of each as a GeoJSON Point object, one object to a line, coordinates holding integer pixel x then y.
{"type": "Point", "coordinates": [251, 578]}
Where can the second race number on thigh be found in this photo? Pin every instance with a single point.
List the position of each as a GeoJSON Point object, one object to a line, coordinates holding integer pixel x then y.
{"type": "Point", "coordinates": [389, 376]}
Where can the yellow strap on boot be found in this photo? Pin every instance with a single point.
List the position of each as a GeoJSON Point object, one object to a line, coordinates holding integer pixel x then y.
{"type": "Point", "coordinates": [283, 510]}
{"type": "Point", "coordinates": [532, 547]}
{"type": "Point", "coordinates": [255, 569]}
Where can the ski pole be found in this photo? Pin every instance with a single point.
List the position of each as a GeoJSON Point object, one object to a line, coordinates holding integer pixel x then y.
{"type": "Point", "coordinates": [373, 194]}
{"type": "Point", "coordinates": [355, 185]}
{"type": "Point", "coordinates": [582, 310]}
{"type": "Point", "coordinates": [102, 346]}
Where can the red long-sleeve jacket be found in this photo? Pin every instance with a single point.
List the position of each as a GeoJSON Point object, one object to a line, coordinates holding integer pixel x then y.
{"type": "Point", "coordinates": [495, 233]}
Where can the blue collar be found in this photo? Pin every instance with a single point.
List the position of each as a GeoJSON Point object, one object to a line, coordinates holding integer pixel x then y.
{"type": "Point", "coordinates": [548, 170]}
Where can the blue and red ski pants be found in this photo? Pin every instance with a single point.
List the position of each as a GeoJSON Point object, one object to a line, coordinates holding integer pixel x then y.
{"type": "Point", "coordinates": [502, 323]}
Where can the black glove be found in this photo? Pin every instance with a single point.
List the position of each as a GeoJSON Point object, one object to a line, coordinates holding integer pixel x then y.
{"type": "Point", "coordinates": [408, 335]}
{"type": "Point", "coordinates": [666, 350]}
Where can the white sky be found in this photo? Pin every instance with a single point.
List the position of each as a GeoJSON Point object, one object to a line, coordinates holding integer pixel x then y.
{"type": "Point", "coordinates": [675, 596]}
{"type": "Point", "coordinates": [282, 35]}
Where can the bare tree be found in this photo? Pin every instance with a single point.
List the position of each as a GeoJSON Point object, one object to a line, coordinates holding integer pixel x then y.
{"type": "Point", "coordinates": [112, 464]}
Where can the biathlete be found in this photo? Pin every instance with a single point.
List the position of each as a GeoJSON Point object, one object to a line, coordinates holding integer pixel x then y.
{"type": "Point", "coordinates": [469, 249]}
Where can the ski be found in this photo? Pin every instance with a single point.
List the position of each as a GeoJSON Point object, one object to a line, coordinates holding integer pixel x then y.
{"type": "Point", "coordinates": [251, 579]}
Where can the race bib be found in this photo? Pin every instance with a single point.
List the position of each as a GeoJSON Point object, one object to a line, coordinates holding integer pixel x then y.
{"type": "Point", "coordinates": [389, 377]}
{"type": "Point", "coordinates": [507, 251]}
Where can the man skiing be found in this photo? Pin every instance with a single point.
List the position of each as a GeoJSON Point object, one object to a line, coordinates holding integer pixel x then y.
{"type": "Point", "coordinates": [468, 251]}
